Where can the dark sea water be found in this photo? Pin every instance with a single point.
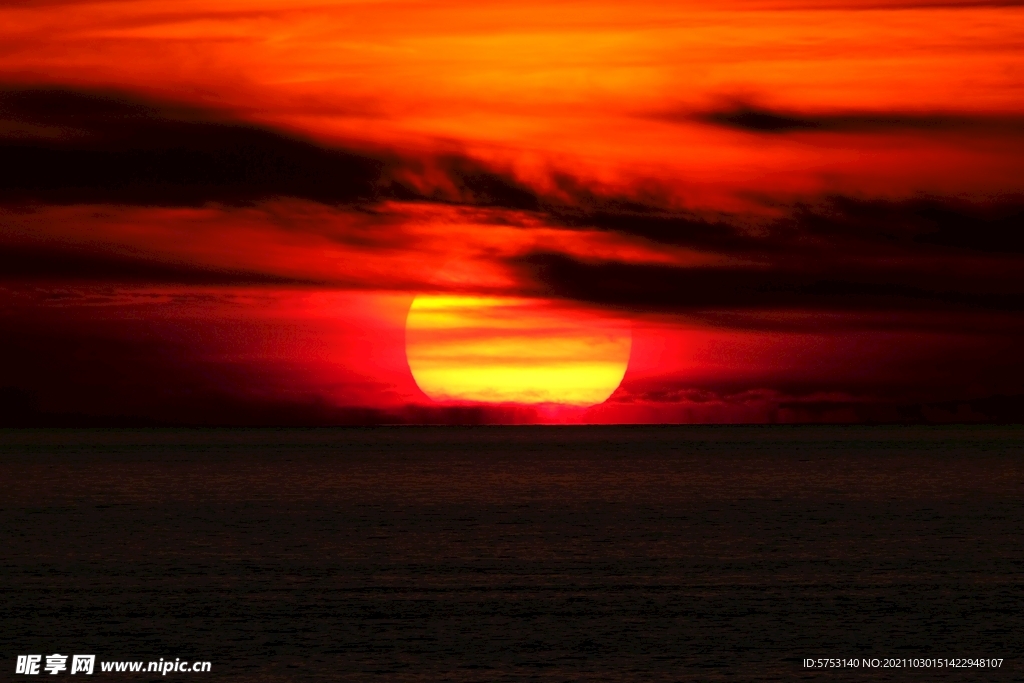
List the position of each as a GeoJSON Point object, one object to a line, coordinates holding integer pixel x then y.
{"type": "Point", "coordinates": [515, 553]}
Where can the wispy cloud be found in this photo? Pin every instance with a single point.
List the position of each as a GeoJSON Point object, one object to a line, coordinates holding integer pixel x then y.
{"type": "Point", "coordinates": [755, 119]}
{"type": "Point", "coordinates": [67, 146]}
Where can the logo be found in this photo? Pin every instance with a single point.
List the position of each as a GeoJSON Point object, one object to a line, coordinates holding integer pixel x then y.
{"type": "Point", "coordinates": [55, 664]}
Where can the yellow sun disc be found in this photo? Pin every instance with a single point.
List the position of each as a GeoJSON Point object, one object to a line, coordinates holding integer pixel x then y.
{"type": "Point", "coordinates": [511, 350]}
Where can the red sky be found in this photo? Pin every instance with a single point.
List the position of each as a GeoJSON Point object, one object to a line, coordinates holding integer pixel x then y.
{"type": "Point", "coordinates": [220, 212]}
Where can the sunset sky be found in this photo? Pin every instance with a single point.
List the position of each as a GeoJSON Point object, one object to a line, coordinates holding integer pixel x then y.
{"type": "Point", "coordinates": [222, 212]}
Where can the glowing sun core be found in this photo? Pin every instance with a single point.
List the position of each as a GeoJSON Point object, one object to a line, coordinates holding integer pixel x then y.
{"type": "Point", "coordinates": [509, 350]}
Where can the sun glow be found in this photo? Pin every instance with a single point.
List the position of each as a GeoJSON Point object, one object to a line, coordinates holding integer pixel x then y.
{"type": "Point", "coordinates": [513, 350]}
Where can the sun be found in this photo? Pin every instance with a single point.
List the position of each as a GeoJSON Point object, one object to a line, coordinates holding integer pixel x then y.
{"type": "Point", "coordinates": [514, 350]}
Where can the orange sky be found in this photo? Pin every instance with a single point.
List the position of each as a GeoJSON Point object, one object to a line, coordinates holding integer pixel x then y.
{"type": "Point", "coordinates": [600, 90]}
{"type": "Point", "coordinates": [703, 174]}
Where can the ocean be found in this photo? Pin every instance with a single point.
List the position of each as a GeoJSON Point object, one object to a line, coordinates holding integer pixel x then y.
{"type": "Point", "coordinates": [670, 553]}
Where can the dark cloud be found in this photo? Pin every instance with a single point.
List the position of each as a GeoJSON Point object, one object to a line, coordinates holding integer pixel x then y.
{"type": "Point", "coordinates": [754, 119]}
{"type": "Point", "coordinates": [60, 264]}
{"type": "Point", "coordinates": [812, 286]}
{"type": "Point", "coordinates": [943, 256]}
{"type": "Point", "coordinates": [477, 185]}
{"type": "Point", "coordinates": [770, 405]}
{"type": "Point", "coordinates": [66, 146]}
{"type": "Point", "coordinates": [217, 408]}
{"type": "Point", "coordinates": [678, 228]}
{"type": "Point", "coordinates": [939, 264]}
{"type": "Point", "coordinates": [74, 147]}
{"type": "Point", "coordinates": [917, 222]}
{"type": "Point", "coordinates": [648, 213]}
{"type": "Point", "coordinates": [996, 409]}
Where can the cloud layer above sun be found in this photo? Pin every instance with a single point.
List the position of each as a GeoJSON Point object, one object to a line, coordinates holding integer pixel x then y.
{"type": "Point", "coordinates": [221, 213]}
